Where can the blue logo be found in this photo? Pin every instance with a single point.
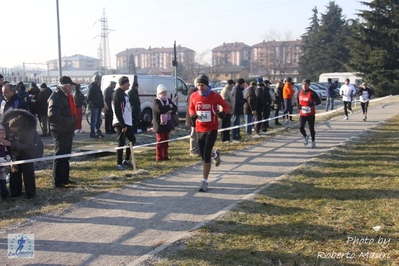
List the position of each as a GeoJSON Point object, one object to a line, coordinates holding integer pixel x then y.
{"type": "Point", "coordinates": [21, 246]}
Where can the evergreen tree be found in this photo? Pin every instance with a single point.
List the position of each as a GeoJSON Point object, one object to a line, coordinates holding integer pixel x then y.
{"type": "Point", "coordinates": [306, 61]}
{"type": "Point", "coordinates": [375, 46]}
{"type": "Point", "coordinates": [323, 44]}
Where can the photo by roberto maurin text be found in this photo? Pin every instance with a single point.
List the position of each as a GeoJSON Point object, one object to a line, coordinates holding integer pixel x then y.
{"type": "Point", "coordinates": [368, 243]}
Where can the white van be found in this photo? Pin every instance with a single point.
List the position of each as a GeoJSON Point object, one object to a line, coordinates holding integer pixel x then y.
{"type": "Point", "coordinates": [148, 90]}
{"type": "Point", "coordinates": [341, 76]}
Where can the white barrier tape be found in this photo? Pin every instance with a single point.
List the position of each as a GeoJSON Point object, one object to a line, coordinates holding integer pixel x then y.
{"type": "Point", "coordinates": [47, 158]}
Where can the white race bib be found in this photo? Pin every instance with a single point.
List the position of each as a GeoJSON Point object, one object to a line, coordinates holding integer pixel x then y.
{"type": "Point", "coordinates": [204, 116]}
{"type": "Point", "coordinates": [306, 109]}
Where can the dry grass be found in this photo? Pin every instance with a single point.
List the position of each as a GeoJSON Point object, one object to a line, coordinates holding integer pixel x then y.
{"type": "Point", "coordinates": [322, 214]}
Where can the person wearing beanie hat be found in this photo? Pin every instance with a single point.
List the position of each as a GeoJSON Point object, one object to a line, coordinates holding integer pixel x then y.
{"type": "Point", "coordinates": [203, 111]}
{"type": "Point", "coordinates": [108, 113]}
{"type": "Point", "coordinates": [238, 95]}
{"type": "Point", "coordinates": [203, 79]}
{"type": "Point", "coordinates": [122, 122]}
{"type": "Point", "coordinates": [162, 122]}
{"type": "Point", "coordinates": [240, 81]}
{"type": "Point", "coordinates": [307, 100]}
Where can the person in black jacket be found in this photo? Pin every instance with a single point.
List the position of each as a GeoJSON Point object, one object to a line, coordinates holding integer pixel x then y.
{"type": "Point", "coordinates": [41, 105]}
{"type": "Point", "coordinates": [259, 92]}
{"type": "Point", "coordinates": [189, 122]}
{"type": "Point", "coordinates": [61, 113]}
{"type": "Point", "coordinates": [162, 108]}
{"type": "Point", "coordinates": [123, 122]}
{"type": "Point", "coordinates": [96, 104]}
{"type": "Point", "coordinates": [20, 127]}
{"type": "Point", "coordinates": [108, 108]}
{"type": "Point", "coordinates": [250, 106]}
{"type": "Point", "coordinates": [266, 106]}
{"type": "Point", "coordinates": [11, 100]}
{"type": "Point", "coordinates": [278, 92]}
{"type": "Point", "coordinates": [238, 94]}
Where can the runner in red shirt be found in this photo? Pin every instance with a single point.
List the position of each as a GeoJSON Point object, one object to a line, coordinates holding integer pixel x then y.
{"type": "Point", "coordinates": [203, 109]}
{"type": "Point", "coordinates": [307, 100]}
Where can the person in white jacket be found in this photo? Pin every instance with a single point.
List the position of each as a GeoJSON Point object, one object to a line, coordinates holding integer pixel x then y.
{"type": "Point", "coordinates": [347, 91]}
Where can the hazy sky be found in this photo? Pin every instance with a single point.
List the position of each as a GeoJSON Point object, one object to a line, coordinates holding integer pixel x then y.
{"type": "Point", "coordinates": [29, 28]}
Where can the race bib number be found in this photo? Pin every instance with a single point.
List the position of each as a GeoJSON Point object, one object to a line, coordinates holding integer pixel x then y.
{"type": "Point", "coordinates": [306, 109]}
{"type": "Point", "coordinates": [204, 116]}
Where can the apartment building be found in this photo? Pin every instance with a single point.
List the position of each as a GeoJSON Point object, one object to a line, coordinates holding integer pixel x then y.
{"type": "Point", "coordinates": [276, 59]}
{"type": "Point", "coordinates": [75, 62]}
{"type": "Point", "coordinates": [237, 53]}
{"type": "Point", "coordinates": [154, 57]}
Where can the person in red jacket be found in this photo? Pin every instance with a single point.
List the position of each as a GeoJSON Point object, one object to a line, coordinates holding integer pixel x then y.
{"type": "Point", "coordinates": [204, 112]}
{"type": "Point", "coordinates": [307, 100]}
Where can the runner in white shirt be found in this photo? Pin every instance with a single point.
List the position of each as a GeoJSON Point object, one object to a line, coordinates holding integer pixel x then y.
{"type": "Point", "coordinates": [365, 95]}
{"type": "Point", "coordinates": [347, 91]}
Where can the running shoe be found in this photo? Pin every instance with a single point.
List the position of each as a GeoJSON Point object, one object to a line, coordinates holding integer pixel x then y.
{"type": "Point", "coordinates": [313, 144]}
{"type": "Point", "coordinates": [216, 158]}
{"type": "Point", "coordinates": [204, 186]}
{"type": "Point", "coordinates": [305, 140]}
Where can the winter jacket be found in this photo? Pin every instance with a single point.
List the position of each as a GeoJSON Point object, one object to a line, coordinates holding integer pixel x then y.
{"type": "Point", "coordinates": [79, 99]}
{"type": "Point", "coordinates": [16, 102]}
{"type": "Point", "coordinates": [24, 142]}
{"type": "Point", "coordinates": [251, 103]}
{"type": "Point", "coordinates": [60, 114]}
{"type": "Point", "coordinates": [288, 91]}
{"type": "Point", "coordinates": [95, 96]}
{"type": "Point", "coordinates": [228, 97]}
{"type": "Point", "coordinates": [135, 103]}
{"type": "Point", "coordinates": [108, 100]}
{"type": "Point", "coordinates": [189, 121]}
{"type": "Point", "coordinates": [330, 89]}
{"type": "Point", "coordinates": [157, 109]}
{"type": "Point", "coordinates": [260, 95]}
{"type": "Point", "coordinates": [121, 109]}
{"type": "Point", "coordinates": [41, 102]}
{"type": "Point", "coordinates": [238, 95]}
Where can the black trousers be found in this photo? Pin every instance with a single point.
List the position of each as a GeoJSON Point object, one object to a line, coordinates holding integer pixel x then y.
{"type": "Point", "coordinates": [311, 120]}
{"type": "Point", "coordinates": [62, 145]}
{"type": "Point", "coordinates": [122, 136]}
{"type": "Point", "coordinates": [108, 122]}
{"type": "Point", "coordinates": [347, 106]}
{"type": "Point", "coordinates": [226, 122]}
{"type": "Point", "coordinates": [265, 115]}
{"type": "Point", "coordinates": [27, 171]}
{"type": "Point", "coordinates": [258, 117]}
{"type": "Point", "coordinates": [277, 111]}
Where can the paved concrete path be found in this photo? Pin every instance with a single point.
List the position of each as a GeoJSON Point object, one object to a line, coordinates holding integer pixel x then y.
{"type": "Point", "coordinates": [127, 226]}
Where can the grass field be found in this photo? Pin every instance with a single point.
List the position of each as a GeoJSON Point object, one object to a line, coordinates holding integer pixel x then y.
{"type": "Point", "coordinates": [338, 209]}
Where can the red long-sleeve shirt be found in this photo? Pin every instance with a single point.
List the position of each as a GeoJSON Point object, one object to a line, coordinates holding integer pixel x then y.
{"type": "Point", "coordinates": [206, 109]}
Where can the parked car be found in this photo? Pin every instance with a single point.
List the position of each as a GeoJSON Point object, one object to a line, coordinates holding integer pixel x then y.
{"type": "Point", "coordinates": [217, 89]}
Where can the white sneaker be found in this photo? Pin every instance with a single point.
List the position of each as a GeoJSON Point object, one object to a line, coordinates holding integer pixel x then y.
{"type": "Point", "coordinates": [216, 158]}
{"type": "Point", "coordinates": [204, 186]}
{"type": "Point", "coordinates": [305, 140]}
{"type": "Point", "coordinates": [346, 118]}
{"type": "Point", "coordinates": [76, 130]}
{"type": "Point", "coordinates": [313, 144]}
{"type": "Point", "coordinates": [351, 112]}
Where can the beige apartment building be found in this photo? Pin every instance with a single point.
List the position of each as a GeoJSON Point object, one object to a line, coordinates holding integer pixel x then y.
{"type": "Point", "coordinates": [237, 53]}
{"type": "Point", "coordinates": [276, 60]}
{"type": "Point", "coordinates": [75, 62]}
{"type": "Point", "coordinates": [152, 58]}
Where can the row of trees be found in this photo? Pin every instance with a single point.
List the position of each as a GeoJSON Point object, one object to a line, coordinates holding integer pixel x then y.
{"type": "Point", "coordinates": [368, 45]}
